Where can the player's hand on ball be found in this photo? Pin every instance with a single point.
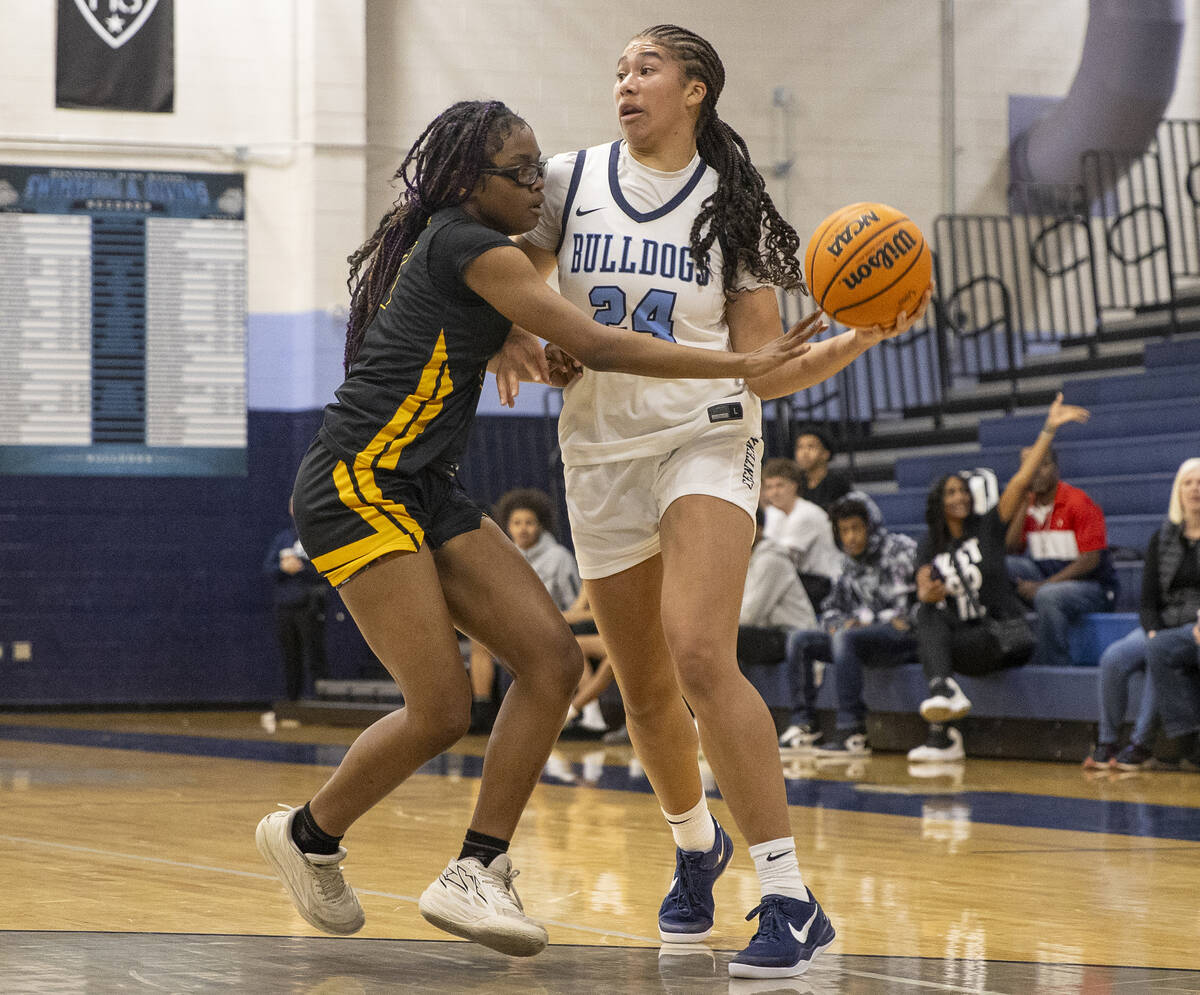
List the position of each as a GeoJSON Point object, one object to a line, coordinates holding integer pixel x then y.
{"type": "Point", "coordinates": [903, 322]}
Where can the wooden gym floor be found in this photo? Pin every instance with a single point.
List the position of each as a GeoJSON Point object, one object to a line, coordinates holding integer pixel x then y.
{"type": "Point", "coordinates": [127, 863]}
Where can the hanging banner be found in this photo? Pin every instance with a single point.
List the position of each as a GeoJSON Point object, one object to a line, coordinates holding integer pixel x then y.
{"type": "Point", "coordinates": [116, 55]}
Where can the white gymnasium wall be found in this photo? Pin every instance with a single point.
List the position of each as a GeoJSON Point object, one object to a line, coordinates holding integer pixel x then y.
{"type": "Point", "coordinates": [865, 79]}
{"type": "Point", "coordinates": [272, 88]}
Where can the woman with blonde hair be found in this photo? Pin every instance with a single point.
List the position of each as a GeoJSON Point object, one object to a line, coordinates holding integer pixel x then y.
{"type": "Point", "coordinates": [1172, 577]}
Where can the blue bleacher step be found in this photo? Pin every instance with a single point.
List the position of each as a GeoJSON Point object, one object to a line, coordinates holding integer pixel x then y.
{"type": "Point", "coordinates": [1095, 633]}
{"type": "Point", "coordinates": [1132, 531]}
{"type": "Point", "coordinates": [1177, 352]}
{"type": "Point", "coordinates": [1110, 422]}
{"type": "Point", "coordinates": [977, 401]}
{"type": "Point", "coordinates": [1140, 494]}
{"type": "Point", "coordinates": [1069, 357]}
{"type": "Point", "coordinates": [1029, 692]}
{"type": "Point", "coordinates": [1148, 454]}
{"type": "Point", "coordinates": [1154, 383]}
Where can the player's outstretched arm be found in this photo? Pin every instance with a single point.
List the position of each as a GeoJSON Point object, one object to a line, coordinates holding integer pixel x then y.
{"type": "Point", "coordinates": [507, 280]}
{"type": "Point", "coordinates": [753, 318]}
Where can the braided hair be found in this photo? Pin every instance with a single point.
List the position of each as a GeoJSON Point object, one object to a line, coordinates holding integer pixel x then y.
{"type": "Point", "coordinates": [440, 170]}
{"type": "Point", "coordinates": [741, 208]}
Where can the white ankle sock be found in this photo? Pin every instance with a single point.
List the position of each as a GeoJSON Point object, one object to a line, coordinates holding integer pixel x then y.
{"type": "Point", "coordinates": [693, 830]}
{"type": "Point", "coordinates": [777, 867]}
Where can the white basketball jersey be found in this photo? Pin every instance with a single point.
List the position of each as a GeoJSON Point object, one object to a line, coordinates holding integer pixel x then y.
{"type": "Point", "coordinates": [622, 233]}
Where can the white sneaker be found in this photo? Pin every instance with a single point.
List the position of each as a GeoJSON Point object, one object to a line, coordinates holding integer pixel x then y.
{"type": "Point", "coordinates": [313, 881]}
{"type": "Point", "coordinates": [480, 903]}
{"type": "Point", "coordinates": [798, 739]}
{"type": "Point", "coordinates": [592, 719]}
{"type": "Point", "coordinates": [847, 744]}
{"type": "Point", "coordinates": [953, 772]}
{"type": "Point", "coordinates": [947, 705]}
{"type": "Point", "coordinates": [941, 747]}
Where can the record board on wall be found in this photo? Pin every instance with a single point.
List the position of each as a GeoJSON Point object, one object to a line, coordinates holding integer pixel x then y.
{"type": "Point", "coordinates": [122, 322]}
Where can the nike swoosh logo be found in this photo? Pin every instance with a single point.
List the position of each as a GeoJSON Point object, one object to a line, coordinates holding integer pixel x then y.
{"type": "Point", "coordinates": [802, 936]}
{"type": "Point", "coordinates": [776, 856]}
{"type": "Point", "coordinates": [579, 212]}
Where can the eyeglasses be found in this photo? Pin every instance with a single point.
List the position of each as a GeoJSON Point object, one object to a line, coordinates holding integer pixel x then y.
{"type": "Point", "coordinates": [525, 175]}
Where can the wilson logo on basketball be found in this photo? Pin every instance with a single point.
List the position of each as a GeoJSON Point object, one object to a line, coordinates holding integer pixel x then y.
{"type": "Point", "coordinates": [885, 257]}
{"type": "Point", "coordinates": [848, 234]}
{"type": "Point", "coordinates": [866, 263]}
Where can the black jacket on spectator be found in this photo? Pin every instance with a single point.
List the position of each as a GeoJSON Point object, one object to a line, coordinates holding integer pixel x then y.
{"type": "Point", "coordinates": [1170, 580]}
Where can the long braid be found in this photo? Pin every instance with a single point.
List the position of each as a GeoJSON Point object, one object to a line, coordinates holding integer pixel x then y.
{"type": "Point", "coordinates": [736, 215]}
{"type": "Point", "coordinates": [440, 170]}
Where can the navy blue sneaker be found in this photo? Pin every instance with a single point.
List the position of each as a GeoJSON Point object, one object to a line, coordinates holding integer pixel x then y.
{"type": "Point", "coordinates": [790, 934]}
{"type": "Point", "coordinates": [686, 914]}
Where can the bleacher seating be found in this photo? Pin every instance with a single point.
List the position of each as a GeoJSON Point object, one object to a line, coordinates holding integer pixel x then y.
{"type": "Point", "coordinates": [1143, 426]}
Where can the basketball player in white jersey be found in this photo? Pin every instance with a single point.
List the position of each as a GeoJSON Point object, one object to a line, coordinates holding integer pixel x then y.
{"type": "Point", "coordinates": [670, 233]}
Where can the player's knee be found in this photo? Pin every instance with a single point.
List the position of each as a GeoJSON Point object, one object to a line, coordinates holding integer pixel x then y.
{"type": "Point", "coordinates": [443, 720]}
{"type": "Point", "coordinates": [555, 667]}
{"type": "Point", "coordinates": [701, 671]}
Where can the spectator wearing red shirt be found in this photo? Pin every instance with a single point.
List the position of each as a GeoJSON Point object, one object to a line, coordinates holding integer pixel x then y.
{"type": "Point", "coordinates": [1065, 571]}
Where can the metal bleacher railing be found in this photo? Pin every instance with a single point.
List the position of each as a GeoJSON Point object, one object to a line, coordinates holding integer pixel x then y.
{"type": "Point", "coordinates": [1067, 265]}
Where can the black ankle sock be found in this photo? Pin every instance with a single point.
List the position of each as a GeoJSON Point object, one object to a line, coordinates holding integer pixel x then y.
{"type": "Point", "coordinates": [310, 837]}
{"type": "Point", "coordinates": [482, 847]}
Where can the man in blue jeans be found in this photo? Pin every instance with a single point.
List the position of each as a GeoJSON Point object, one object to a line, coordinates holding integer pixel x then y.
{"type": "Point", "coordinates": [864, 622]}
{"type": "Point", "coordinates": [1066, 571]}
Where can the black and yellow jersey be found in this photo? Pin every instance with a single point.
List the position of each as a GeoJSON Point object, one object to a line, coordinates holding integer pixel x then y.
{"type": "Point", "coordinates": [410, 396]}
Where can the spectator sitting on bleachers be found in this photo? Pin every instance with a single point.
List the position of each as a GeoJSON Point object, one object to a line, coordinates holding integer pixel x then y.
{"type": "Point", "coordinates": [585, 720]}
{"type": "Point", "coordinates": [774, 602]}
{"type": "Point", "coordinates": [1128, 655]}
{"type": "Point", "coordinates": [864, 622]}
{"type": "Point", "coordinates": [1066, 571]}
{"type": "Point", "coordinates": [962, 581]}
{"type": "Point", "coordinates": [801, 526]}
{"type": "Point", "coordinates": [526, 516]}
{"type": "Point", "coordinates": [1172, 575]}
{"type": "Point", "coordinates": [773, 597]}
{"type": "Point", "coordinates": [819, 484]}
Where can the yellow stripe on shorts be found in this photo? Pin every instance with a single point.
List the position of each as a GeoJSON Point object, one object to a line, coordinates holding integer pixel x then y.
{"type": "Point", "coordinates": [395, 529]}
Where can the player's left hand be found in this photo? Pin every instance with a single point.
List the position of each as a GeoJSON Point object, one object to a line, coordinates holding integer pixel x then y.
{"type": "Point", "coordinates": [904, 321]}
{"type": "Point", "coordinates": [563, 366]}
{"type": "Point", "coordinates": [520, 358]}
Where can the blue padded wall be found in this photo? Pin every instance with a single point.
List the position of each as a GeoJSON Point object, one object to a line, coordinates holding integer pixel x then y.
{"type": "Point", "coordinates": [150, 591]}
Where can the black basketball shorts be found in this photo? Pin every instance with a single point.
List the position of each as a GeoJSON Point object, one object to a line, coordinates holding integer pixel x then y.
{"type": "Point", "coordinates": [349, 514]}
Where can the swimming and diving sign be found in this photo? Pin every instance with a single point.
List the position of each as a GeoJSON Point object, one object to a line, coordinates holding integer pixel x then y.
{"type": "Point", "coordinates": [122, 322]}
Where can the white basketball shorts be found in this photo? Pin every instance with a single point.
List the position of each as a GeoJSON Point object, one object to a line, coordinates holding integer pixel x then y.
{"type": "Point", "coordinates": [615, 507]}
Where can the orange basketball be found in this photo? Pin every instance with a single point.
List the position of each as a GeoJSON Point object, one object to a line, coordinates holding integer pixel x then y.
{"type": "Point", "coordinates": [866, 263]}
